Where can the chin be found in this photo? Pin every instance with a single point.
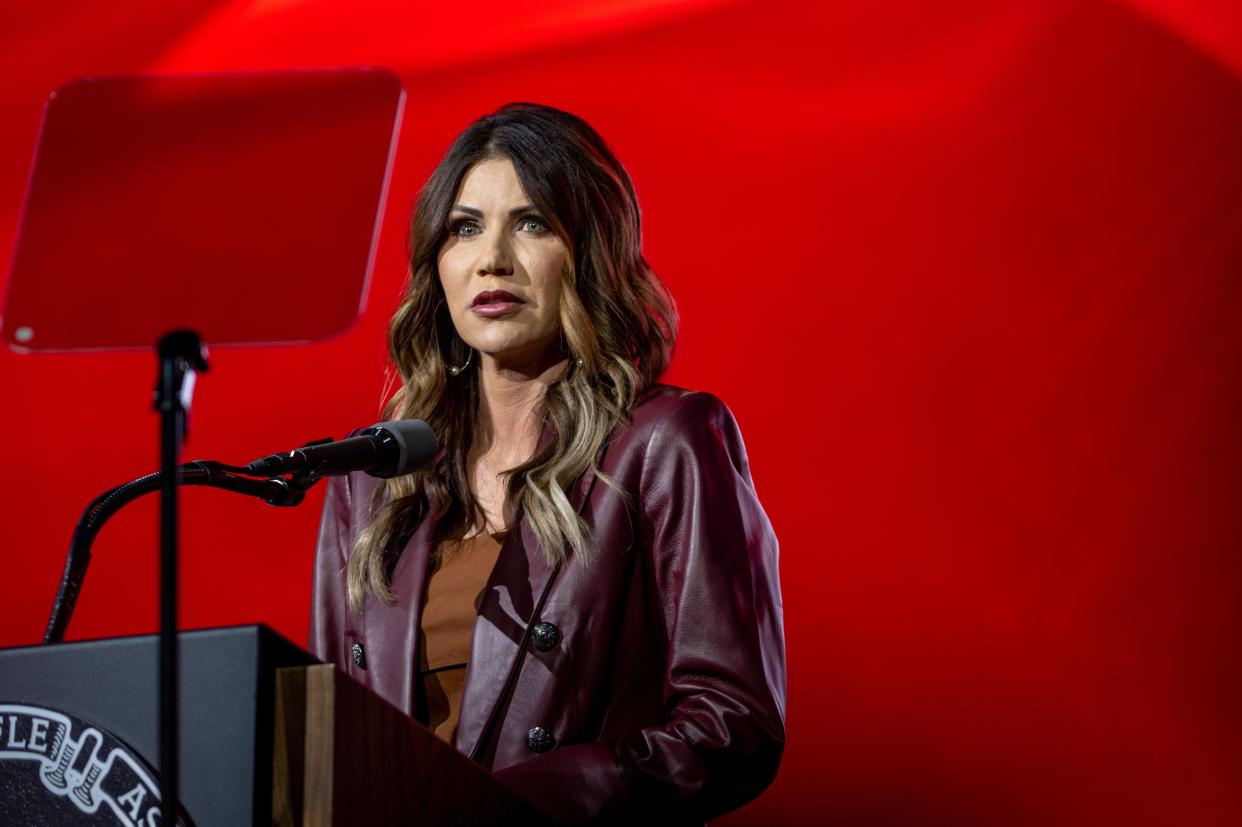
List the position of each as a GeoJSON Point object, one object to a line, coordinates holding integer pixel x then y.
{"type": "Point", "coordinates": [535, 348]}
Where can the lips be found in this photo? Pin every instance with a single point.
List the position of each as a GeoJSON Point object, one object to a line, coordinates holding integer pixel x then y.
{"type": "Point", "coordinates": [492, 303]}
{"type": "Point", "coordinates": [495, 297]}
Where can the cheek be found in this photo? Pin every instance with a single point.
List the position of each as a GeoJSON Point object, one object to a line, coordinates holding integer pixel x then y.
{"type": "Point", "coordinates": [550, 304]}
{"type": "Point", "coordinates": [449, 274]}
{"type": "Point", "coordinates": [549, 276]}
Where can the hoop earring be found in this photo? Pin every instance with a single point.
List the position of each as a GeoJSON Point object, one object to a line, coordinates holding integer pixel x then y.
{"type": "Point", "coordinates": [456, 370]}
{"type": "Point", "coordinates": [576, 360]}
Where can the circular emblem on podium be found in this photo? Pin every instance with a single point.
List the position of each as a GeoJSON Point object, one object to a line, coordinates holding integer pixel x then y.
{"type": "Point", "coordinates": [56, 769]}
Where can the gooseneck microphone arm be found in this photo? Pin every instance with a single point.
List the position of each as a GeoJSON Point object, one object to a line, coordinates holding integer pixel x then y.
{"type": "Point", "coordinates": [275, 491]}
{"type": "Point", "coordinates": [388, 449]}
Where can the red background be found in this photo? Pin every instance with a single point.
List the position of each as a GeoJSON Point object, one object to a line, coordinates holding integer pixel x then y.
{"type": "Point", "coordinates": [967, 273]}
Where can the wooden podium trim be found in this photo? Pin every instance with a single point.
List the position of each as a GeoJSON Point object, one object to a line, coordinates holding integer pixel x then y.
{"type": "Point", "coordinates": [342, 756]}
{"type": "Point", "coordinates": [289, 738]}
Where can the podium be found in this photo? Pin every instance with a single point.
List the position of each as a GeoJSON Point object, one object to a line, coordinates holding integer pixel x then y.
{"type": "Point", "coordinates": [269, 736]}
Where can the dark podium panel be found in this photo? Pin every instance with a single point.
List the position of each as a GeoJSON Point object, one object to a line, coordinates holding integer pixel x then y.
{"type": "Point", "coordinates": [227, 686]}
{"type": "Point", "coordinates": [268, 736]}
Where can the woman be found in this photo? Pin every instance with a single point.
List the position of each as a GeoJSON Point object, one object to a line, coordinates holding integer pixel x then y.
{"type": "Point", "coordinates": [581, 593]}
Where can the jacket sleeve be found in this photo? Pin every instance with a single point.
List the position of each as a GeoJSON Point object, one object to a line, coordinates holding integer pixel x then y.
{"type": "Point", "coordinates": [329, 612]}
{"type": "Point", "coordinates": [714, 561]}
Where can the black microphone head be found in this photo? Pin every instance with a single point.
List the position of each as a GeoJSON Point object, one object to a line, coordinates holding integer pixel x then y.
{"type": "Point", "coordinates": [416, 445]}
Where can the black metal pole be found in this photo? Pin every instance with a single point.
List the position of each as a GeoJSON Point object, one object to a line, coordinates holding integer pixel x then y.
{"type": "Point", "coordinates": [181, 353]}
{"type": "Point", "coordinates": [171, 423]}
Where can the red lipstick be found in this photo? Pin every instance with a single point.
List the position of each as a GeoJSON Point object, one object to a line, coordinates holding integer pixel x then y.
{"type": "Point", "coordinates": [492, 303]}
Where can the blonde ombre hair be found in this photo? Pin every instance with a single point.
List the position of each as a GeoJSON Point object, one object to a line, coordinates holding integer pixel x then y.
{"type": "Point", "coordinates": [618, 322]}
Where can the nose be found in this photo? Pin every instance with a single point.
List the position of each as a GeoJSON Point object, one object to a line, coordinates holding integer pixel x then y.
{"type": "Point", "coordinates": [496, 258]}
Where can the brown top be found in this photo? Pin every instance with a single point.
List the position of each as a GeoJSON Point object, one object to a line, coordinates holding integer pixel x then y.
{"type": "Point", "coordinates": [455, 588]}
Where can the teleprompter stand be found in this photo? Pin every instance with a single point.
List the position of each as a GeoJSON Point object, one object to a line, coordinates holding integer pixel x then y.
{"type": "Point", "coordinates": [180, 239]}
{"type": "Point", "coordinates": [181, 357]}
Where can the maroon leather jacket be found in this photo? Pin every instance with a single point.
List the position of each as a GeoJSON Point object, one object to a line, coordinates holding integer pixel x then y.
{"type": "Point", "coordinates": [649, 683]}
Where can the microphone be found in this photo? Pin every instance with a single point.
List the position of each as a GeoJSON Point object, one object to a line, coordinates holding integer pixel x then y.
{"type": "Point", "coordinates": [387, 449]}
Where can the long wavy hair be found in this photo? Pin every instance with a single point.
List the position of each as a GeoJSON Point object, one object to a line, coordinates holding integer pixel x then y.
{"type": "Point", "coordinates": [617, 320]}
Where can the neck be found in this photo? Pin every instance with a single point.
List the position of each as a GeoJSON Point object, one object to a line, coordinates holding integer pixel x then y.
{"type": "Point", "coordinates": [509, 405]}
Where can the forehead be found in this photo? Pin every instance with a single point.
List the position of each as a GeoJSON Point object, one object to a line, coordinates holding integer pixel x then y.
{"type": "Point", "coordinates": [491, 182]}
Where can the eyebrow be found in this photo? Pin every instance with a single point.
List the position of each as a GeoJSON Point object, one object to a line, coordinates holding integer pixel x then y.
{"type": "Point", "coordinates": [479, 213]}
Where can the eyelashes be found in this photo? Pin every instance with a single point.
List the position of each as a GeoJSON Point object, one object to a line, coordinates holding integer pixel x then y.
{"type": "Point", "coordinates": [464, 228]}
{"type": "Point", "coordinates": [469, 227]}
{"type": "Point", "coordinates": [533, 224]}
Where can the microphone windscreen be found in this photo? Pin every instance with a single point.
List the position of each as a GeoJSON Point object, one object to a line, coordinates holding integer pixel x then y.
{"type": "Point", "coordinates": [416, 443]}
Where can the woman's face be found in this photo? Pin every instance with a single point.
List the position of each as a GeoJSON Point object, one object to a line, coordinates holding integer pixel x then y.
{"type": "Point", "coordinates": [501, 267]}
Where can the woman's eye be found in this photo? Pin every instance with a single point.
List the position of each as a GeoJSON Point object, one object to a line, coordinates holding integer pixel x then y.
{"type": "Point", "coordinates": [464, 227]}
{"type": "Point", "coordinates": [533, 224]}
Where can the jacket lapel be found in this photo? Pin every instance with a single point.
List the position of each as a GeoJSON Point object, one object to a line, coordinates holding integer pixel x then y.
{"type": "Point", "coordinates": [517, 584]}
{"type": "Point", "coordinates": [517, 588]}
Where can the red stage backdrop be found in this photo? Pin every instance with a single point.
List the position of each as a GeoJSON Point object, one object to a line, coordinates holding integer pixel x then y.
{"type": "Point", "coordinates": [967, 273]}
